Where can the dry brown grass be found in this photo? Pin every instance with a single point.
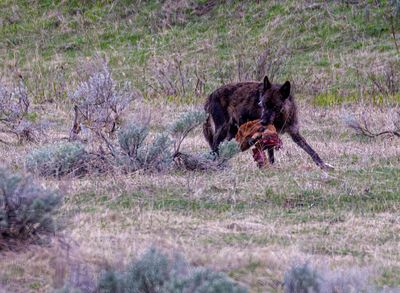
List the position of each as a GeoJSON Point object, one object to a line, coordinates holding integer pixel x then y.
{"type": "Point", "coordinates": [253, 224]}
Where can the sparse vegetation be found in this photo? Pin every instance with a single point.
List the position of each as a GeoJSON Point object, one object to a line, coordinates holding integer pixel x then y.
{"type": "Point", "coordinates": [156, 272]}
{"type": "Point", "coordinates": [362, 128]}
{"type": "Point", "coordinates": [15, 115]}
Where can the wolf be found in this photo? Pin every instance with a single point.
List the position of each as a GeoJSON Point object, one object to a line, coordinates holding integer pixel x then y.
{"type": "Point", "coordinates": [234, 104]}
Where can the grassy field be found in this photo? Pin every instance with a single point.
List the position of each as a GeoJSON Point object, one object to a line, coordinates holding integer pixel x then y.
{"type": "Point", "coordinates": [251, 224]}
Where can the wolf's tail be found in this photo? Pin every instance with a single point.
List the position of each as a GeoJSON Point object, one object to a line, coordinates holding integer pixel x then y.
{"type": "Point", "coordinates": [217, 118]}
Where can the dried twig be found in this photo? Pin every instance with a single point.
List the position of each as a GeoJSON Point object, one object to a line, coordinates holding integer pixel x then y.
{"type": "Point", "coordinates": [362, 128]}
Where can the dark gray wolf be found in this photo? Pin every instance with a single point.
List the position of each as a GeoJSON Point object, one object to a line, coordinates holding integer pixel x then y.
{"type": "Point", "coordinates": [231, 105]}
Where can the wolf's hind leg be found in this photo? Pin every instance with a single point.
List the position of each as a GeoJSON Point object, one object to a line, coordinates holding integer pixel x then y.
{"type": "Point", "coordinates": [220, 135]}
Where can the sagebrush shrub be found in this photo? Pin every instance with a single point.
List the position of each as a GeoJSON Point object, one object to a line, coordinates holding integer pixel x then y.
{"type": "Point", "coordinates": [26, 210]}
{"type": "Point", "coordinates": [111, 282]}
{"type": "Point", "coordinates": [15, 117]}
{"type": "Point", "coordinates": [57, 160]}
{"type": "Point", "coordinates": [347, 280]}
{"type": "Point", "coordinates": [203, 161]}
{"type": "Point", "coordinates": [156, 273]}
{"type": "Point", "coordinates": [148, 274]}
{"type": "Point", "coordinates": [99, 103]}
{"type": "Point", "coordinates": [131, 137]}
{"type": "Point", "coordinates": [184, 125]}
{"type": "Point", "coordinates": [157, 154]}
{"type": "Point", "coordinates": [139, 152]}
{"type": "Point", "coordinates": [187, 122]}
{"type": "Point", "coordinates": [227, 150]}
{"type": "Point", "coordinates": [203, 280]}
{"type": "Point", "coordinates": [302, 279]}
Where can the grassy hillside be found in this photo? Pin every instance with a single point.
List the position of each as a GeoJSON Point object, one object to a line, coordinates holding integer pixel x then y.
{"type": "Point", "coordinates": [166, 48]}
{"type": "Point", "coordinates": [252, 224]}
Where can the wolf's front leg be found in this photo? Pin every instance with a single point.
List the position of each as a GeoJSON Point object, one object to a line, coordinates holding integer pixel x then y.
{"type": "Point", "coordinates": [301, 142]}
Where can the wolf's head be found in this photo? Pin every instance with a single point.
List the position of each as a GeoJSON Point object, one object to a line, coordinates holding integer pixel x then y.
{"type": "Point", "coordinates": [272, 100]}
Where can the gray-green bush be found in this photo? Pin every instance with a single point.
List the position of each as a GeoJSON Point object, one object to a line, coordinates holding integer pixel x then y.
{"type": "Point", "coordinates": [204, 161]}
{"type": "Point", "coordinates": [57, 160]}
{"type": "Point", "coordinates": [139, 152]}
{"type": "Point", "coordinates": [302, 279]}
{"type": "Point", "coordinates": [26, 210]}
{"type": "Point", "coordinates": [132, 150]}
{"type": "Point", "coordinates": [305, 279]}
{"type": "Point", "coordinates": [155, 272]}
{"type": "Point", "coordinates": [203, 280]}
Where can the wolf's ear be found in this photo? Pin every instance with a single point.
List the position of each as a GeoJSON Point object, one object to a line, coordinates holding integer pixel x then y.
{"type": "Point", "coordinates": [285, 90]}
{"type": "Point", "coordinates": [267, 84]}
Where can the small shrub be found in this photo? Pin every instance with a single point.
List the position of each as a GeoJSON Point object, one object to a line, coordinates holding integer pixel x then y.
{"type": "Point", "coordinates": [155, 272]}
{"type": "Point", "coordinates": [111, 282]}
{"type": "Point", "coordinates": [386, 81]}
{"type": "Point", "coordinates": [205, 161]}
{"type": "Point", "coordinates": [184, 125]}
{"type": "Point", "coordinates": [156, 155]}
{"type": "Point", "coordinates": [15, 117]}
{"type": "Point", "coordinates": [361, 127]}
{"type": "Point", "coordinates": [148, 274]}
{"type": "Point", "coordinates": [57, 160]}
{"type": "Point", "coordinates": [302, 279]}
{"type": "Point", "coordinates": [201, 280]}
{"type": "Point", "coordinates": [26, 210]}
{"type": "Point", "coordinates": [137, 153]}
{"type": "Point", "coordinates": [131, 137]}
{"type": "Point", "coordinates": [227, 150]}
{"type": "Point", "coordinates": [208, 161]}
{"type": "Point", "coordinates": [99, 103]}
{"type": "Point", "coordinates": [186, 122]}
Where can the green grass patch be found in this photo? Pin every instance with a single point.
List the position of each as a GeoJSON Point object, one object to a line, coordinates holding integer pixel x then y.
{"type": "Point", "coordinates": [331, 99]}
{"type": "Point", "coordinates": [172, 200]}
{"type": "Point", "coordinates": [326, 249]}
{"type": "Point", "coordinates": [389, 277]}
{"type": "Point", "coordinates": [211, 43]}
{"type": "Point", "coordinates": [373, 191]}
{"type": "Point", "coordinates": [243, 238]}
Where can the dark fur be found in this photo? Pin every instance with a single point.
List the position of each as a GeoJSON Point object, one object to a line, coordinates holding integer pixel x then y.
{"type": "Point", "coordinates": [234, 104]}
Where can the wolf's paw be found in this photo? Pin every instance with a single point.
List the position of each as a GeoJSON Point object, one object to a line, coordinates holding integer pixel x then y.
{"type": "Point", "coordinates": [327, 167]}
